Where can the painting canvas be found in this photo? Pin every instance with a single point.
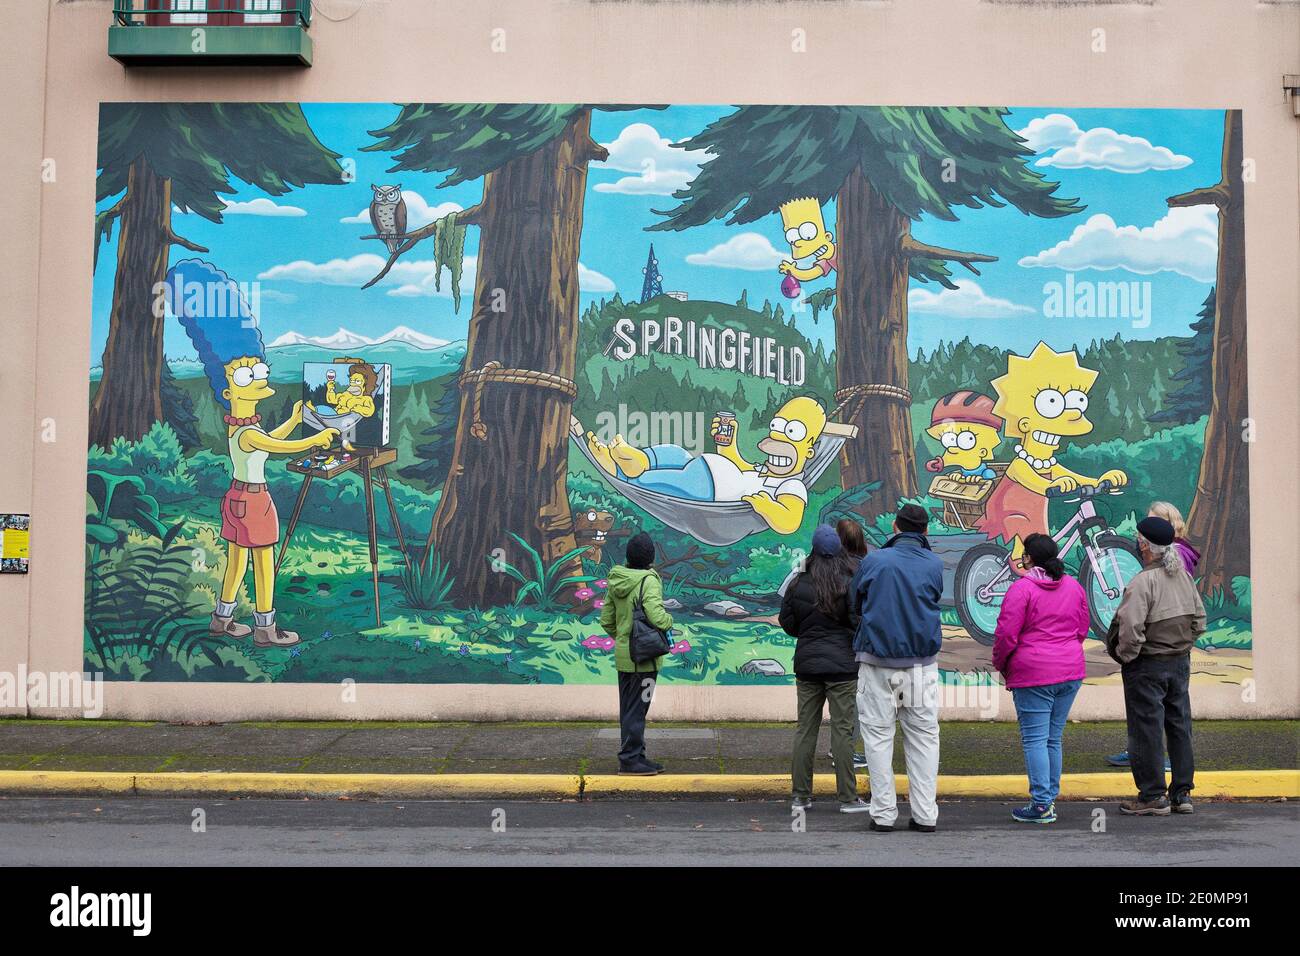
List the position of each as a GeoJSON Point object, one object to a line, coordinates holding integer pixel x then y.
{"type": "Point", "coordinates": [517, 334]}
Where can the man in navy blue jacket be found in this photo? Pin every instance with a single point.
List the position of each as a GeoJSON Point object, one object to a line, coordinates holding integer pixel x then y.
{"type": "Point", "coordinates": [896, 595]}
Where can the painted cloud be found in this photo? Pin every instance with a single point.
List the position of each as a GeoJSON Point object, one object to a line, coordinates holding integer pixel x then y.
{"type": "Point", "coordinates": [661, 170]}
{"type": "Point", "coordinates": [967, 301]}
{"type": "Point", "coordinates": [1185, 240]}
{"type": "Point", "coordinates": [1067, 146]}
{"type": "Point", "coordinates": [752, 251]}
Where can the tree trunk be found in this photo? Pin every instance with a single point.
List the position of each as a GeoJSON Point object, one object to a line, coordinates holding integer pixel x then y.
{"type": "Point", "coordinates": [1219, 522]}
{"type": "Point", "coordinates": [129, 398]}
{"type": "Point", "coordinates": [513, 479]}
{"type": "Point", "coordinates": [871, 341]}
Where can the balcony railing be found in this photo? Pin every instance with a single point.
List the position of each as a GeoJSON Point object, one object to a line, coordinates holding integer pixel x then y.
{"type": "Point", "coordinates": [212, 13]}
{"type": "Point", "coordinates": [175, 32]}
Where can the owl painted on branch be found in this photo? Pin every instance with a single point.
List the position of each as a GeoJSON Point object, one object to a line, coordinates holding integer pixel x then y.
{"type": "Point", "coordinates": [388, 214]}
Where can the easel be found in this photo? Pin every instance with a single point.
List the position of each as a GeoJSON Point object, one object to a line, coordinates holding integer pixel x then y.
{"type": "Point", "coordinates": [372, 462]}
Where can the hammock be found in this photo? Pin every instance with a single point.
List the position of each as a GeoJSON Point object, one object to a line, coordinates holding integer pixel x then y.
{"type": "Point", "coordinates": [716, 523]}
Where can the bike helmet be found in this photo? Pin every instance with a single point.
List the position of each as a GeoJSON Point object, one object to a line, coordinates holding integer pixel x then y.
{"type": "Point", "coordinates": [965, 406]}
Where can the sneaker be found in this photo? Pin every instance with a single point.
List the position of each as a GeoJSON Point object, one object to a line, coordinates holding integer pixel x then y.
{"type": "Point", "coordinates": [1146, 808]}
{"type": "Point", "coordinates": [1121, 760]}
{"type": "Point", "coordinates": [1183, 803]}
{"type": "Point", "coordinates": [859, 760]}
{"type": "Point", "coordinates": [857, 806]}
{"type": "Point", "coordinates": [881, 827]}
{"type": "Point", "coordinates": [641, 769]}
{"type": "Point", "coordinates": [914, 824]}
{"type": "Point", "coordinates": [1118, 760]}
{"type": "Point", "coordinates": [800, 803]}
{"type": "Point", "coordinates": [1035, 813]}
{"type": "Point", "coordinates": [656, 764]}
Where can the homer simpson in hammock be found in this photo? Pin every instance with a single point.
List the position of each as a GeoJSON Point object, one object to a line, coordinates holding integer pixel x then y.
{"type": "Point", "coordinates": [1043, 399]}
{"type": "Point", "coordinates": [774, 488]}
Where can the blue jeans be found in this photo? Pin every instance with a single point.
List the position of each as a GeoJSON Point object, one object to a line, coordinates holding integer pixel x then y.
{"type": "Point", "coordinates": [1042, 712]}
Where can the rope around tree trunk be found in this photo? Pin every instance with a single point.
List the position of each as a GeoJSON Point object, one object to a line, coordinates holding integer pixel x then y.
{"type": "Point", "coordinates": [860, 393]}
{"type": "Point", "coordinates": [492, 372]}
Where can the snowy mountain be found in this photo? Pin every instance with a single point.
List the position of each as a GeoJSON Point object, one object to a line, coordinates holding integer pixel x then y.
{"type": "Point", "coordinates": [343, 339]}
{"type": "Point", "coordinates": [411, 337]}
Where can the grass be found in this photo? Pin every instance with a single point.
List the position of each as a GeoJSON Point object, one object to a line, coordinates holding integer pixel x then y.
{"type": "Point", "coordinates": [324, 592]}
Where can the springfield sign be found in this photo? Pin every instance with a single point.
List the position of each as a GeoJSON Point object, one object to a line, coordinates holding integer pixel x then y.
{"type": "Point", "coordinates": [711, 347]}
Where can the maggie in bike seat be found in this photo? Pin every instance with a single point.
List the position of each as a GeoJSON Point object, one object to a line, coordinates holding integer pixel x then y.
{"type": "Point", "coordinates": [1042, 399]}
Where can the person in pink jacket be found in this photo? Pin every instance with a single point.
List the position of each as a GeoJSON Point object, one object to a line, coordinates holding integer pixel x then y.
{"type": "Point", "coordinates": [1038, 649]}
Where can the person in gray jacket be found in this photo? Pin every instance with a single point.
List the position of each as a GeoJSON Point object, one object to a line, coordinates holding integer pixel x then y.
{"type": "Point", "coordinates": [1151, 636]}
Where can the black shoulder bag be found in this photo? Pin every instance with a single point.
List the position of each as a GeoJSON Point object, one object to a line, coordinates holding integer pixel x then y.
{"type": "Point", "coordinates": [646, 642]}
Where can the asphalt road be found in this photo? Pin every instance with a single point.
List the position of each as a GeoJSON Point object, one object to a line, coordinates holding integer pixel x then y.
{"type": "Point", "coordinates": [139, 831]}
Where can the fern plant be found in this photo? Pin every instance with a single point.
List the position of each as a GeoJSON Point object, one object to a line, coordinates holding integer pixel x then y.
{"type": "Point", "coordinates": [543, 583]}
{"type": "Point", "coordinates": [143, 607]}
{"type": "Point", "coordinates": [427, 584]}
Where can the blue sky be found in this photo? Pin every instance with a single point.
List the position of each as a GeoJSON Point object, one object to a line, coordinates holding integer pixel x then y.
{"type": "Point", "coordinates": [1121, 163]}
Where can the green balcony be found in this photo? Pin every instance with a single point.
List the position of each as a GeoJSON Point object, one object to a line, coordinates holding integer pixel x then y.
{"type": "Point", "coordinates": [210, 32]}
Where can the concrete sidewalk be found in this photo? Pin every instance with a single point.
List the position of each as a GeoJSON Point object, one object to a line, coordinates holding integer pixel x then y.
{"type": "Point", "coordinates": [566, 758]}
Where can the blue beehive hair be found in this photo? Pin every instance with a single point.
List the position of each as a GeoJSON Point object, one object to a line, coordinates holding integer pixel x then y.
{"type": "Point", "coordinates": [220, 324]}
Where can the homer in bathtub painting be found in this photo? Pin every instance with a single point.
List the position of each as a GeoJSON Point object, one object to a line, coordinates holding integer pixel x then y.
{"type": "Point", "coordinates": [350, 395]}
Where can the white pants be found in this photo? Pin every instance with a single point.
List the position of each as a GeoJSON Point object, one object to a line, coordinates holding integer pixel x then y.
{"type": "Point", "coordinates": [910, 695]}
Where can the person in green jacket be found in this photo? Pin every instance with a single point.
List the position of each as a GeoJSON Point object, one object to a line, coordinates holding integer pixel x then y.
{"type": "Point", "coordinates": [637, 582]}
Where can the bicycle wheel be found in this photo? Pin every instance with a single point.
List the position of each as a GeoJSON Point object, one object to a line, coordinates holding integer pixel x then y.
{"type": "Point", "coordinates": [979, 566]}
{"type": "Point", "coordinates": [1120, 562]}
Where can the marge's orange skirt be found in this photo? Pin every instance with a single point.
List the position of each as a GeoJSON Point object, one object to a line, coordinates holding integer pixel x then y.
{"type": "Point", "coordinates": [248, 516]}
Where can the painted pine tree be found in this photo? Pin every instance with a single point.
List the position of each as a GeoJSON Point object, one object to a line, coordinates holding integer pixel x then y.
{"type": "Point", "coordinates": [163, 155]}
{"type": "Point", "coordinates": [1219, 520]}
{"type": "Point", "coordinates": [885, 168]}
{"type": "Point", "coordinates": [508, 469]}
{"type": "Point", "coordinates": [1192, 398]}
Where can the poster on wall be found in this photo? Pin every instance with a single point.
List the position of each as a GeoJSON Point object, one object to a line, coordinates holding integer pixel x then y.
{"type": "Point", "coordinates": [380, 392]}
{"type": "Point", "coordinates": [15, 536]}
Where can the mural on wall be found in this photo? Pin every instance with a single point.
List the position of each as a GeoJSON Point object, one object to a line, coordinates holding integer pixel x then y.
{"type": "Point", "coordinates": [380, 392]}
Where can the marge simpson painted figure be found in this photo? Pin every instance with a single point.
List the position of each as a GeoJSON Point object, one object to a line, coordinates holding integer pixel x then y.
{"type": "Point", "coordinates": [230, 347]}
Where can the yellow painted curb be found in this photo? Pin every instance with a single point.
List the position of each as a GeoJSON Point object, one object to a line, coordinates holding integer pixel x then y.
{"type": "Point", "coordinates": [429, 786]}
{"type": "Point", "coordinates": [694, 784]}
{"type": "Point", "coordinates": [66, 781]}
{"type": "Point", "coordinates": [1237, 784]}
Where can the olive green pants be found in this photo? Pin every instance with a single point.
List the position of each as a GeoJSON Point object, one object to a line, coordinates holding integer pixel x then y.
{"type": "Point", "coordinates": [812, 695]}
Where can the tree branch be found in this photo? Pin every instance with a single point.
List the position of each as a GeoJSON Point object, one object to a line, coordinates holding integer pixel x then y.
{"type": "Point", "coordinates": [593, 151]}
{"type": "Point", "coordinates": [104, 226]}
{"type": "Point", "coordinates": [1216, 195]}
{"type": "Point", "coordinates": [183, 242]}
{"type": "Point", "coordinates": [913, 249]}
{"type": "Point", "coordinates": [770, 597]}
{"type": "Point", "coordinates": [465, 217]}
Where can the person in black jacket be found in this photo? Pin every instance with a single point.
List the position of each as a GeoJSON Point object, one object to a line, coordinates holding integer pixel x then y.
{"type": "Point", "coordinates": [816, 611]}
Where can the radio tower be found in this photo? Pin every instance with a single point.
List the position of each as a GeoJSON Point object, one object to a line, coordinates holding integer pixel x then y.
{"type": "Point", "coordinates": [654, 282]}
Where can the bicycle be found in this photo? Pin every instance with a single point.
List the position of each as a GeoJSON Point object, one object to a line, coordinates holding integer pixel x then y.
{"type": "Point", "coordinates": [1109, 562]}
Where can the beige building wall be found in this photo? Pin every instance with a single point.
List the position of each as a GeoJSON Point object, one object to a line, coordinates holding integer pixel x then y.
{"type": "Point", "coordinates": [1169, 53]}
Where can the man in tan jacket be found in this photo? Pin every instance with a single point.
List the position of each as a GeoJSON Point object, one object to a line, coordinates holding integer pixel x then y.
{"type": "Point", "coordinates": [1155, 626]}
